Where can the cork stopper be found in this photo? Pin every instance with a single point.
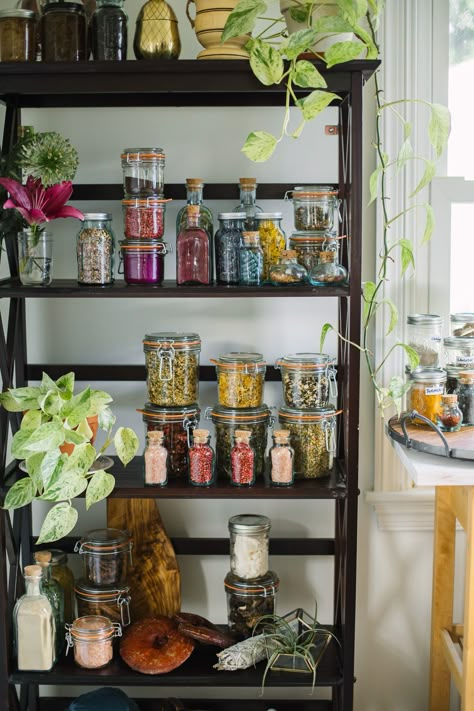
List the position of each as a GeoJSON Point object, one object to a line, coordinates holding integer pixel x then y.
{"type": "Point", "coordinates": [248, 183]}
{"type": "Point", "coordinates": [251, 237]}
{"type": "Point", "coordinates": [243, 435]}
{"type": "Point", "coordinates": [288, 254]}
{"type": "Point", "coordinates": [156, 436]}
{"type": "Point", "coordinates": [33, 571]}
{"type": "Point", "coordinates": [194, 182]}
{"type": "Point", "coordinates": [325, 257]}
{"type": "Point", "coordinates": [200, 436]}
{"type": "Point", "coordinates": [466, 377]}
{"type": "Point", "coordinates": [281, 436]}
{"type": "Point", "coordinates": [449, 399]}
{"type": "Point", "coordinates": [193, 210]}
{"type": "Point", "coordinates": [43, 558]}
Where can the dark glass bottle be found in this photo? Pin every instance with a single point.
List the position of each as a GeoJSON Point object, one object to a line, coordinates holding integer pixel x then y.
{"type": "Point", "coordinates": [193, 253]}
{"type": "Point", "coordinates": [108, 31]}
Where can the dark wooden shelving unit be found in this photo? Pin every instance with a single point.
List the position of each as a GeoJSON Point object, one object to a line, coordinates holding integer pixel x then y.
{"type": "Point", "coordinates": [180, 84]}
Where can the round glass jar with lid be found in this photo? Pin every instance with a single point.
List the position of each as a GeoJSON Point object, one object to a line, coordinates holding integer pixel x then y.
{"type": "Point", "coordinates": [17, 35]}
{"type": "Point", "coordinates": [462, 325]}
{"type": "Point", "coordinates": [425, 337]}
{"type": "Point", "coordinates": [328, 272]}
{"type": "Point", "coordinates": [143, 172]}
{"type": "Point", "coordinates": [313, 438]}
{"type": "Point", "coordinates": [177, 425]}
{"type": "Point", "coordinates": [449, 416]}
{"type": "Point", "coordinates": [108, 31]}
{"type": "Point", "coordinates": [112, 602]}
{"type": "Point", "coordinates": [309, 379]}
{"type": "Point", "coordinates": [466, 396]}
{"type": "Point", "coordinates": [459, 352]}
{"type": "Point", "coordinates": [226, 421]}
{"type": "Point", "coordinates": [249, 538]}
{"type": "Point", "coordinates": [287, 271]}
{"type": "Point", "coordinates": [240, 379]}
{"type": "Point", "coordinates": [144, 218]}
{"type": "Point", "coordinates": [92, 639]}
{"type": "Point", "coordinates": [142, 261]}
{"type": "Point", "coordinates": [62, 573]}
{"type": "Point", "coordinates": [227, 243]}
{"type": "Point", "coordinates": [247, 601]}
{"type": "Point", "coordinates": [272, 239]}
{"type": "Point", "coordinates": [107, 556]}
{"type": "Point", "coordinates": [95, 249]}
{"type": "Point", "coordinates": [63, 32]}
{"type": "Point", "coordinates": [308, 247]}
{"type": "Point", "coordinates": [172, 368]}
{"type": "Point", "coordinates": [427, 385]}
{"type": "Point", "coordinates": [315, 207]}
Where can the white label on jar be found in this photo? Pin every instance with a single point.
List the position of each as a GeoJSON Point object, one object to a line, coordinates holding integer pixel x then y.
{"type": "Point", "coordinates": [464, 360]}
{"type": "Point", "coordinates": [436, 338]}
{"type": "Point", "coordinates": [434, 390]}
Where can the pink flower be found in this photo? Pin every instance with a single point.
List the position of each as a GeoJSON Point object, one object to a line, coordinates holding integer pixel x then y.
{"type": "Point", "coordinates": [37, 204]}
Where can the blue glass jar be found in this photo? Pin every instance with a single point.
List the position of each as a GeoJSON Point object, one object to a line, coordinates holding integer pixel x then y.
{"type": "Point", "coordinates": [251, 260]}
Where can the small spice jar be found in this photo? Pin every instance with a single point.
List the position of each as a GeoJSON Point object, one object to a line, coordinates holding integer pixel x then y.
{"type": "Point", "coordinates": [462, 325]}
{"type": "Point", "coordinates": [313, 437]}
{"type": "Point", "coordinates": [226, 421]}
{"type": "Point", "coordinates": [242, 458]}
{"type": "Point", "coordinates": [424, 333]}
{"type": "Point", "coordinates": [177, 425]}
{"type": "Point", "coordinates": [308, 247]}
{"type": "Point", "coordinates": [227, 242]}
{"type": "Point", "coordinates": [328, 272]}
{"type": "Point", "coordinates": [95, 249]}
{"type": "Point", "coordinates": [113, 603]}
{"type": "Point", "coordinates": [92, 638]}
{"type": "Point", "coordinates": [250, 260]}
{"type": "Point", "coordinates": [309, 379]}
{"type": "Point", "coordinates": [201, 460]}
{"type": "Point", "coordinates": [287, 271]}
{"type": "Point", "coordinates": [155, 460]}
{"type": "Point", "coordinates": [142, 261]}
{"type": "Point", "coordinates": [282, 456]}
{"type": "Point", "coordinates": [466, 396]}
{"type": "Point", "coordinates": [144, 218]}
{"type": "Point", "coordinates": [240, 379]}
{"type": "Point", "coordinates": [452, 380]}
{"type": "Point", "coordinates": [315, 207]}
{"type": "Point", "coordinates": [62, 573]}
{"type": "Point", "coordinates": [143, 172]}
{"type": "Point", "coordinates": [249, 538]}
{"type": "Point", "coordinates": [426, 388]}
{"type": "Point", "coordinates": [108, 31]}
{"type": "Point", "coordinates": [107, 555]}
{"type": "Point", "coordinates": [459, 352]}
{"type": "Point", "coordinates": [63, 32]}
{"type": "Point", "coordinates": [172, 365]}
{"type": "Point", "coordinates": [449, 416]}
{"type": "Point", "coordinates": [247, 601]}
{"type": "Point", "coordinates": [17, 35]}
{"type": "Point", "coordinates": [272, 239]}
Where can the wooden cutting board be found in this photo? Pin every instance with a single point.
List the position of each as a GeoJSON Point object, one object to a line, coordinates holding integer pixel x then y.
{"type": "Point", "coordinates": [155, 585]}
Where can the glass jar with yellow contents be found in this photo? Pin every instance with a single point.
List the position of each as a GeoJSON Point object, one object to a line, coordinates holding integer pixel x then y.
{"type": "Point", "coordinates": [426, 389]}
{"type": "Point", "coordinates": [272, 239]}
{"type": "Point", "coordinates": [240, 379]}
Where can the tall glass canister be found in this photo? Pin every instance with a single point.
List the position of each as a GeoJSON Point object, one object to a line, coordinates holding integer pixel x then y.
{"type": "Point", "coordinates": [227, 243]}
{"type": "Point", "coordinates": [35, 630]}
{"type": "Point", "coordinates": [96, 249]}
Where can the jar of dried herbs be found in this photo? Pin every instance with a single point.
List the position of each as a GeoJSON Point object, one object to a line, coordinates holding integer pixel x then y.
{"type": "Point", "coordinates": [63, 32]}
{"type": "Point", "coordinates": [107, 556]}
{"type": "Point", "coordinates": [226, 421]}
{"type": "Point", "coordinates": [308, 247]}
{"type": "Point", "coordinates": [272, 239]}
{"type": "Point", "coordinates": [172, 366]}
{"type": "Point", "coordinates": [426, 388]}
{"type": "Point", "coordinates": [424, 336]}
{"type": "Point", "coordinates": [462, 324]}
{"type": "Point", "coordinates": [240, 379]}
{"type": "Point", "coordinates": [113, 603]}
{"type": "Point", "coordinates": [247, 601]}
{"type": "Point", "coordinates": [17, 35]}
{"type": "Point", "coordinates": [313, 438]}
{"type": "Point", "coordinates": [459, 351]}
{"type": "Point", "coordinates": [92, 639]}
{"type": "Point", "coordinates": [177, 425]}
{"type": "Point", "coordinates": [315, 207]}
{"type": "Point", "coordinates": [309, 379]}
{"type": "Point", "coordinates": [95, 249]}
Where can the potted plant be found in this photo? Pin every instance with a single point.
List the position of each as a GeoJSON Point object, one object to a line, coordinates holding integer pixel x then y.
{"type": "Point", "coordinates": [56, 443]}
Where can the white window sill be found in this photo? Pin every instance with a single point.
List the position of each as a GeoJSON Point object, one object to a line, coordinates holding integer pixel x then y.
{"type": "Point", "coordinates": [411, 510]}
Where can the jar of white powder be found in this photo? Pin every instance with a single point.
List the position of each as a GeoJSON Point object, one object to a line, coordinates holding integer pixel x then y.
{"type": "Point", "coordinates": [249, 545]}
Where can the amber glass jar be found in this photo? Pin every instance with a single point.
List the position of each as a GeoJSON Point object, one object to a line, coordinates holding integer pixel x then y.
{"type": "Point", "coordinates": [64, 32]}
{"type": "Point", "coordinates": [17, 36]}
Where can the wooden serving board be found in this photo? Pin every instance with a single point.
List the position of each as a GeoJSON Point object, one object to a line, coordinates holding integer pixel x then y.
{"type": "Point", "coordinates": [155, 585]}
{"type": "Point", "coordinates": [425, 439]}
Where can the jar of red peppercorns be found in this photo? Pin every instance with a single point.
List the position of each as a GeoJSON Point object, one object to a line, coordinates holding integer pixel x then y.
{"type": "Point", "coordinates": [242, 457]}
{"type": "Point", "coordinates": [177, 424]}
{"type": "Point", "coordinates": [144, 218]}
{"type": "Point", "coordinates": [201, 460]}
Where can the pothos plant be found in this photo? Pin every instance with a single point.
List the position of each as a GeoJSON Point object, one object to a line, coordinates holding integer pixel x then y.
{"type": "Point", "coordinates": [53, 418]}
{"type": "Point", "coordinates": [275, 57]}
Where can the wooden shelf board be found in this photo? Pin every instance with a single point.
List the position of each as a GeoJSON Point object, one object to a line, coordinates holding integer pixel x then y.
{"type": "Point", "coordinates": [59, 704]}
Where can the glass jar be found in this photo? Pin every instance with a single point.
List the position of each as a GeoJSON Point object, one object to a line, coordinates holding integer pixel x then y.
{"type": "Point", "coordinates": [424, 333]}
{"type": "Point", "coordinates": [308, 247]}
{"type": "Point", "coordinates": [201, 459]}
{"type": "Point", "coordinates": [17, 36]}
{"type": "Point", "coordinates": [287, 271]}
{"type": "Point", "coordinates": [313, 438]}
{"type": "Point", "coordinates": [177, 425]}
{"type": "Point", "coordinates": [194, 196]}
{"type": "Point", "coordinates": [250, 260]}
{"type": "Point", "coordinates": [226, 421]}
{"type": "Point", "coordinates": [248, 195]}
{"type": "Point", "coordinates": [113, 603]}
{"type": "Point", "coordinates": [462, 325]}
{"type": "Point", "coordinates": [155, 460]}
{"type": "Point", "coordinates": [108, 31]}
{"type": "Point", "coordinates": [249, 539]}
{"type": "Point", "coordinates": [92, 639]}
{"type": "Point", "coordinates": [449, 416]}
{"type": "Point", "coordinates": [240, 379]}
{"type": "Point", "coordinates": [459, 352]}
{"type": "Point", "coordinates": [272, 239]}
{"type": "Point", "coordinates": [248, 601]}
{"type": "Point", "coordinates": [466, 396]}
{"type": "Point", "coordinates": [144, 219]}
{"type": "Point", "coordinates": [193, 251]}
{"type": "Point", "coordinates": [315, 207]}
{"type": "Point", "coordinates": [242, 460]}
{"type": "Point", "coordinates": [309, 379]}
{"type": "Point", "coordinates": [282, 472]}
{"type": "Point", "coordinates": [143, 172]}
{"type": "Point", "coordinates": [63, 32]}
{"type": "Point", "coordinates": [328, 272]}
{"type": "Point", "coordinates": [62, 573]}
{"type": "Point", "coordinates": [35, 652]}
{"type": "Point", "coordinates": [426, 388]}
{"type": "Point", "coordinates": [452, 380]}
{"type": "Point", "coordinates": [55, 594]}
{"type": "Point", "coordinates": [95, 249]}
{"type": "Point", "coordinates": [107, 555]}
{"type": "Point", "coordinates": [142, 261]}
{"type": "Point", "coordinates": [227, 242]}
{"type": "Point", "coordinates": [172, 366]}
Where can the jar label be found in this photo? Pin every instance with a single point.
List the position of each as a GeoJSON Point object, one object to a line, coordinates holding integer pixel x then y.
{"type": "Point", "coordinates": [434, 390]}
{"type": "Point", "coordinates": [436, 338]}
{"type": "Point", "coordinates": [463, 360]}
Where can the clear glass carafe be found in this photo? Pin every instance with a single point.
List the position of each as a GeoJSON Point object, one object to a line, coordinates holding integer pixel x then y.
{"type": "Point", "coordinates": [193, 251]}
{"type": "Point", "coordinates": [35, 629]}
{"type": "Point", "coordinates": [248, 194]}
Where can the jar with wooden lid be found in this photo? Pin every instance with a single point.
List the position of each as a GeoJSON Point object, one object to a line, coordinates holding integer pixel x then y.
{"type": "Point", "coordinates": [247, 204]}
{"type": "Point", "coordinates": [240, 379]}
{"type": "Point", "coordinates": [272, 239]}
{"type": "Point", "coordinates": [111, 602]}
{"type": "Point", "coordinates": [107, 556]}
{"type": "Point", "coordinates": [242, 458]}
{"type": "Point", "coordinates": [287, 271]}
{"type": "Point", "coordinates": [177, 425]}
{"type": "Point", "coordinates": [313, 438]}
{"type": "Point", "coordinates": [201, 459]}
{"type": "Point", "coordinates": [17, 35]}
{"type": "Point", "coordinates": [328, 272]}
{"type": "Point", "coordinates": [92, 638]}
{"type": "Point", "coordinates": [34, 625]}
{"type": "Point", "coordinates": [309, 379]}
{"type": "Point", "coordinates": [426, 388]}
{"type": "Point", "coordinates": [250, 260]}
{"type": "Point", "coordinates": [172, 367]}
{"type": "Point", "coordinates": [63, 32]}
{"type": "Point", "coordinates": [282, 456]}
{"type": "Point", "coordinates": [249, 600]}
{"type": "Point", "coordinates": [449, 416]}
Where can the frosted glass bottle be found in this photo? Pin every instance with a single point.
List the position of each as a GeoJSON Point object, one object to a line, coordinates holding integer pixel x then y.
{"type": "Point", "coordinates": [35, 631]}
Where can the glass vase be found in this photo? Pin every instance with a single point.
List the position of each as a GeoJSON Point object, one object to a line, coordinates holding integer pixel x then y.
{"type": "Point", "coordinates": [35, 258]}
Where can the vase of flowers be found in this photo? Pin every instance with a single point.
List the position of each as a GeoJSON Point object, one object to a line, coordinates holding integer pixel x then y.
{"type": "Point", "coordinates": [35, 257]}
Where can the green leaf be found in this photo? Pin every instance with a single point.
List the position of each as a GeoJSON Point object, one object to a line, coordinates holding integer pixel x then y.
{"type": "Point", "coordinates": [439, 128]}
{"type": "Point", "coordinates": [22, 493]}
{"type": "Point", "coordinates": [25, 398]}
{"type": "Point", "coordinates": [324, 332]}
{"type": "Point", "coordinates": [307, 76]}
{"type": "Point", "coordinates": [397, 387]}
{"type": "Point", "coordinates": [47, 437]}
{"type": "Point", "coordinates": [393, 314]}
{"type": "Point", "coordinates": [301, 14]}
{"type": "Point", "coordinates": [9, 403]}
{"type": "Point", "coordinates": [65, 383]}
{"type": "Point", "coordinates": [408, 257]}
{"type": "Point", "coordinates": [69, 485]}
{"type": "Point", "coordinates": [106, 419]}
{"type": "Point", "coordinates": [368, 292]}
{"type": "Point", "coordinates": [342, 52]}
{"type": "Point", "coordinates": [266, 63]}
{"type": "Point", "coordinates": [242, 19]}
{"type": "Point", "coordinates": [126, 444]}
{"type": "Point", "coordinates": [404, 154]}
{"type": "Point", "coordinates": [413, 356]}
{"type": "Point", "coordinates": [82, 458]}
{"type": "Point", "coordinates": [299, 42]}
{"type": "Point", "coordinates": [429, 224]}
{"type": "Point", "coordinates": [47, 384]}
{"type": "Point", "coordinates": [99, 401]}
{"type": "Point", "coordinates": [33, 467]}
{"type": "Point", "coordinates": [51, 403]}
{"type": "Point", "coordinates": [259, 146]}
{"type": "Point", "coordinates": [374, 182]}
{"type": "Point", "coordinates": [59, 521]}
{"type": "Point", "coordinates": [31, 420]}
{"type": "Point", "coordinates": [353, 9]}
{"type": "Point", "coordinates": [407, 130]}
{"type": "Point", "coordinates": [428, 175]}
{"type": "Point", "coordinates": [297, 132]}
{"type": "Point", "coordinates": [331, 24]}
{"type": "Point", "coordinates": [100, 486]}
{"type": "Point", "coordinates": [314, 103]}
{"type": "Point", "coordinates": [80, 435]}
{"type": "Point", "coordinates": [18, 447]}
{"type": "Point", "coordinates": [77, 408]}
{"type": "Point", "coordinates": [51, 468]}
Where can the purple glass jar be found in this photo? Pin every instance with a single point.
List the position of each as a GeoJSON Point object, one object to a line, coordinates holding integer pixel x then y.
{"type": "Point", "coordinates": [142, 262]}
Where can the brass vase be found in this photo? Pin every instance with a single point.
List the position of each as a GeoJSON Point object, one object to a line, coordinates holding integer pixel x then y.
{"type": "Point", "coordinates": [156, 33]}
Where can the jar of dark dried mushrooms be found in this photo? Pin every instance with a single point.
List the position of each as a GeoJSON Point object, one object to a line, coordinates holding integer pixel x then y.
{"type": "Point", "coordinates": [107, 555]}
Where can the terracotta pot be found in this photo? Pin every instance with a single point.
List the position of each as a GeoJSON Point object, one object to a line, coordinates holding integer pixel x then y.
{"type": "Point", "coordinates": [93, 422]}
{"type": "Point", "coordinates": [211, 16]}
{"type": "Point", "coordinates": [323, 42]}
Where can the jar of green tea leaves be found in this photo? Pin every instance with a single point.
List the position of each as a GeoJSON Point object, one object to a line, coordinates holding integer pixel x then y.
{"type": "Point", "coordinates": [172, 365]}
{"type": "Point", "coordinates": [313, 438]}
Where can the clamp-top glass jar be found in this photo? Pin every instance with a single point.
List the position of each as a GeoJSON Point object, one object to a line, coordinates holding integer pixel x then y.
{"type": "Point", "coordinates": [424, 336]}
{"type": "Point", "coordinates": [313, 438]}
{"type": "Point", "coordinates": [309, 379]}
{"type": "Point", "coordinates": [143, 172]}
{"type": "Point", "coordinates": [92, 638]}
{"type": "Point", "coordinates": [63, 32]}
{"type": "Point", "coordinates": [315, 207]}
{"type": "Point", "coordinates": [240, 379]}
{"type": "Point", "coordinates": [144, 218]}
{"type": "Point", "coordinates": [113, 603]}
{"type": "Point", "coordinates": [172, 366]}
{"type": "Point", "coordinates": [249, 600]}
{"type": "Point", "coordinates": [249, 539]}
{"type": "Point", "coordinates": [308, 247]}
{"type": "Point", "coordinates": [142, 261]}
{"type": "Point", "coordinates": [96, 249]}
{"type": "Point", "coordinates": [107, 555]}
{"type": "Point", "coordinates": [177, 425]}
